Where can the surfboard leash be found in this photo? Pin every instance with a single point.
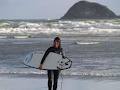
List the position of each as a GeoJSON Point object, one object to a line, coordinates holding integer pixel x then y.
{"type": "Point", "coordinates": [61, 86]}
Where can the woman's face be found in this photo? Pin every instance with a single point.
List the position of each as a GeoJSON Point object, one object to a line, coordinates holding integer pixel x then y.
{"type": "Point", "coordinates": [57, 44]}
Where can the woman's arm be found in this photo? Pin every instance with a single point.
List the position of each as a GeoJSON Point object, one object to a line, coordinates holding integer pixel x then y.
{"type": "Point", "coordinates": [43, 59]}
{"type": "Point", "coordinates": [45, 55]}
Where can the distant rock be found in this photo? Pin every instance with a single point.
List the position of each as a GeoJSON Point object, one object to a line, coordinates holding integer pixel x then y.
{"type": "Point", "coordinates": [89, 10]}
{"type": "Point", "coordinates": [118, 16]}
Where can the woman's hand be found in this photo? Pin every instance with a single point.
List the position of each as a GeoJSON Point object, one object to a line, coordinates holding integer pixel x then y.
{"type": "Point", "coordinates": [40, 67]}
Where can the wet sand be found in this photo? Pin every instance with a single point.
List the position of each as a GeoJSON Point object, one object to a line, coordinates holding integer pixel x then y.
{"type": "Point", "coordinates": [7, 83]}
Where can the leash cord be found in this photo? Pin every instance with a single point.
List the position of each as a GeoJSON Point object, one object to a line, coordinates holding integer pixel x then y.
{"type": "Point", "coordinates": [61, 86]}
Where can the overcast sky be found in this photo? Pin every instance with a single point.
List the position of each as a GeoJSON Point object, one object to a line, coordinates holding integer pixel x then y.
{"type": "Point", "coordinates": [44, 9]}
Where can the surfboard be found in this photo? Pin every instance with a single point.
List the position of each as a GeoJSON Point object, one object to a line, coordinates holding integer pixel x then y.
{"type": "Point", "coordinates": [53, 61]}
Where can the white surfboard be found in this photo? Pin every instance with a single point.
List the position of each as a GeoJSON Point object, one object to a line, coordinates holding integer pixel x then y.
{"type": "Point", "coordinates": [53, 61]}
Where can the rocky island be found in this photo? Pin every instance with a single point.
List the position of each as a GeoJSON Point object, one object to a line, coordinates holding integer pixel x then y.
{"type": "Point", "coordinates": [89, 10]}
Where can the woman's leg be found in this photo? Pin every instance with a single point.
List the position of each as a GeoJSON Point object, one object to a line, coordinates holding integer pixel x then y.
{"type": "Point", "coordinates": [49, 80]}
{"type": "Point", "coordinates": [56, 76]}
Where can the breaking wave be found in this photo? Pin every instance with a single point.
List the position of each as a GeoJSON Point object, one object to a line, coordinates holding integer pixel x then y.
{"type": "Point", "coordinates": [78, 27]}
{"type": "Point", "coordinates": [86, 43]}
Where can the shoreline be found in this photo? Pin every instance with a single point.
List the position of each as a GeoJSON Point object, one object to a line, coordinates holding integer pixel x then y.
{"type": "Point", "coordinates": [61, 76]}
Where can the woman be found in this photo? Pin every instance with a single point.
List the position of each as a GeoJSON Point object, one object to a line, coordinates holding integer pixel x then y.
{"type": "Point", "coordinates": [56, 48]}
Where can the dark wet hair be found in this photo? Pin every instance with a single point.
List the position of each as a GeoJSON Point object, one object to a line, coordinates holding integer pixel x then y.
{"type": "Point", "coordinates": [58, 40]}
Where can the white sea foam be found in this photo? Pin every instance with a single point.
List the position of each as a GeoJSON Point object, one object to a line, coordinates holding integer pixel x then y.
{"type": "Point", "coordinates": [86, 43]}
{"type": "Point", "coordinates": [71, 72]}
{"type": "Point", "coordinates": [93, 27]}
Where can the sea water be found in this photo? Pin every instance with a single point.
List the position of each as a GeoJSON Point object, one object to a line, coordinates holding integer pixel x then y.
{"type": "Point", "coordinates": [92, 45]}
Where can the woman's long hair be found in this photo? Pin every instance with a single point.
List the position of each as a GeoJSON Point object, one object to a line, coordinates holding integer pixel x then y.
{"type": "Point", "coordinates": [58, 40]}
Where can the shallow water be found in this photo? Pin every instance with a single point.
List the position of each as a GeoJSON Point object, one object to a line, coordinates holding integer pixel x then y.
{"type": "Point", "coordinates": [89, 58]}
{"type": "Point", "coordinates": [92, 45]}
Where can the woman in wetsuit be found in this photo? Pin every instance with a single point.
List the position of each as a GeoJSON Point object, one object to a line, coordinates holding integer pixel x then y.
{"type": "Point", "coordinates": [56, 48]}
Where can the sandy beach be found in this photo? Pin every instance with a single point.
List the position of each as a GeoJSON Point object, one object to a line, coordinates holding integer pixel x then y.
{"type": "Point", "coordinates": [18, 83]}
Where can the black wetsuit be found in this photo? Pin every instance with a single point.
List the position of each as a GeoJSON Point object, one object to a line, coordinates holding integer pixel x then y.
{"type": "Point", "coordinates": [54, 72]}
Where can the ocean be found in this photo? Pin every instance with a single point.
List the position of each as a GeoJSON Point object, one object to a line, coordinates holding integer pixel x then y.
{"type": "Point", "coordinates": [92, 45]}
